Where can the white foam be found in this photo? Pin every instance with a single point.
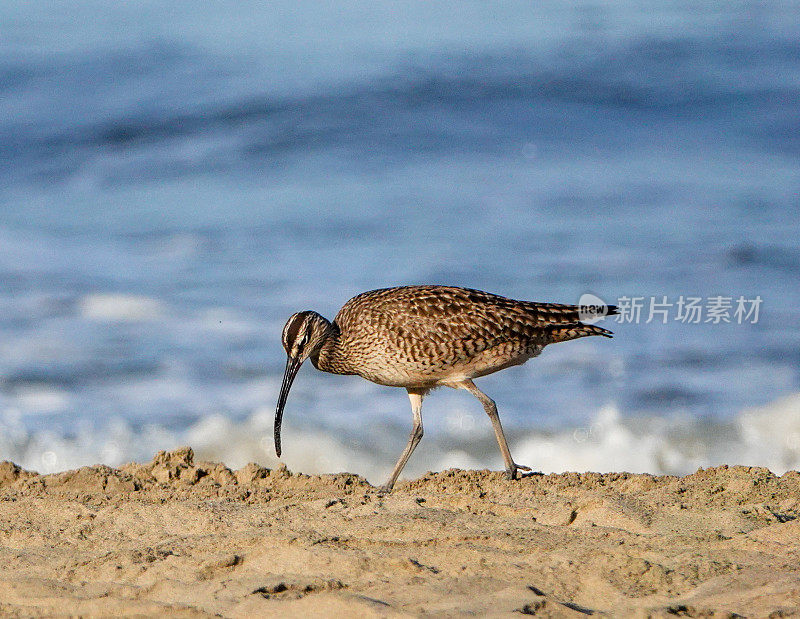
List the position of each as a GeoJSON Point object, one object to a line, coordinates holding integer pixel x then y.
{"type": "Point", "coordinates": [771, 434]}
{"type": "Point", "coordinates": [226, 321]}
{"type": "Point", "coordinates": [41, 400]}
{"type": "Point", "coordinates": [120, 307]}
{"type": "Point", "coordinates": [608, 444]}
{"type": "Point", "coordinates": [766, 436]}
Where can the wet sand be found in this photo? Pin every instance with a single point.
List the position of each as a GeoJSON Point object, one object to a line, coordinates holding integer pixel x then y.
{"type": "Point", "coordinates": [185, 538]}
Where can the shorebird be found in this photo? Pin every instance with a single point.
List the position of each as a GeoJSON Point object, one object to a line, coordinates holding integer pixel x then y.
{"type": "Point", "coordinates": [422, 337]}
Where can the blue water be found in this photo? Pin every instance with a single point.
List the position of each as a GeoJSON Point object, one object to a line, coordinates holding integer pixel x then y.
{"type": "Point", "coordinates": [176, 181]}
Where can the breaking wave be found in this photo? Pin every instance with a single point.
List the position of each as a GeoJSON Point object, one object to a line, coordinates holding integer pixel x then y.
{"type": "Point", "coordinates": [767, 436]}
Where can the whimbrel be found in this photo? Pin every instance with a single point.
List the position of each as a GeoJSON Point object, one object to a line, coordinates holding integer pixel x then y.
{"type": "Point", "coordinates": [422, 337]}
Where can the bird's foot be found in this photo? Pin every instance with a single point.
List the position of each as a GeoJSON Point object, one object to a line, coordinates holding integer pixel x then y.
{"type": "Point", "coordinates": [385, 488]}
{"type": "Point", "coordinates": [511, 473]}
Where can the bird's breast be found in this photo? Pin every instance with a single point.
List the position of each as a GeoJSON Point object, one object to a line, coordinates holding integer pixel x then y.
{"type": "Point", "coordinates": [397, 365]}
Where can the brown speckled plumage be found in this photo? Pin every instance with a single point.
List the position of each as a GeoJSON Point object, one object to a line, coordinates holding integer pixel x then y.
{"type": "Point", "coordinates": [420, 337]}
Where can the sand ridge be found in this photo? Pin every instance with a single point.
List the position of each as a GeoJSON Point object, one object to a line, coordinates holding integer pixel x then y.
{"type": "Point", "coordinates": [185, 538]}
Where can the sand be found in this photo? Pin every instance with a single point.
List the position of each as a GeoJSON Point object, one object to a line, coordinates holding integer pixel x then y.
{"type": "Point", "coordinates": [193, 539]}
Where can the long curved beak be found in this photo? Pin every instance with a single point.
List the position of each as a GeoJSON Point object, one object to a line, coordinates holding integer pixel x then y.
{"type": "Point", "coordinates": [292, 365]}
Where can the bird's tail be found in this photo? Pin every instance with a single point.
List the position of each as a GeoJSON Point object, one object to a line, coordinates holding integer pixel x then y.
{"type": "Point", "coordinates": [564, 333]}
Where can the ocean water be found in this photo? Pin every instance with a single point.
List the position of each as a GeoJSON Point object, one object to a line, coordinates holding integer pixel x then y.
{"type": "Point", "coordinates": [176, 181]}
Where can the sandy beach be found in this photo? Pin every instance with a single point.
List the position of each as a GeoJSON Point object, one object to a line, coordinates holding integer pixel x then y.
{"type": "Point", "coordinates": [185, 538]}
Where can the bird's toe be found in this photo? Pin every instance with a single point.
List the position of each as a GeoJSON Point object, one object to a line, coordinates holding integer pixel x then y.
{"type": "Point", "coordinates": [515, 472]}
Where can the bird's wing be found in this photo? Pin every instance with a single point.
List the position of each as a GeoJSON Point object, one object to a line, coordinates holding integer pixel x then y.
{"type": "Point", "coordinates": [433, 318]}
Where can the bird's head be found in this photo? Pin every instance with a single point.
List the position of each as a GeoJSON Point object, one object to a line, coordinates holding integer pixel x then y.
{"type": "Point", "coordinates": [303, 336]}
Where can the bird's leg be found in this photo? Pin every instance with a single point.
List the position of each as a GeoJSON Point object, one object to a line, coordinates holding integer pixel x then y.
{"type": "Point", "coordinates": [491, 409]}
{"type": "Point", "coordinates": [415, 395]}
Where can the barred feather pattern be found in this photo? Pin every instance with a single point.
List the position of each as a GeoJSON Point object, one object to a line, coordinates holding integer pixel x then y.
{"type": "Point", "coordinates": [425, 336]}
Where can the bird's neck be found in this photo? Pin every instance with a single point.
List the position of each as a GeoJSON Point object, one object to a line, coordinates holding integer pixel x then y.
{"type": "Point", "coordinates": [329, 357]}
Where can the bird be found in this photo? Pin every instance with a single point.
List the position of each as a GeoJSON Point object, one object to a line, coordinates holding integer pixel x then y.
{"type": "Point", "coordinates": [427, 336]}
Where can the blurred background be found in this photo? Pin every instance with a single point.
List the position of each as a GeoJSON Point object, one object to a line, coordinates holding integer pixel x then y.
{"type": "Point", "coordinates": [177, 178]}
